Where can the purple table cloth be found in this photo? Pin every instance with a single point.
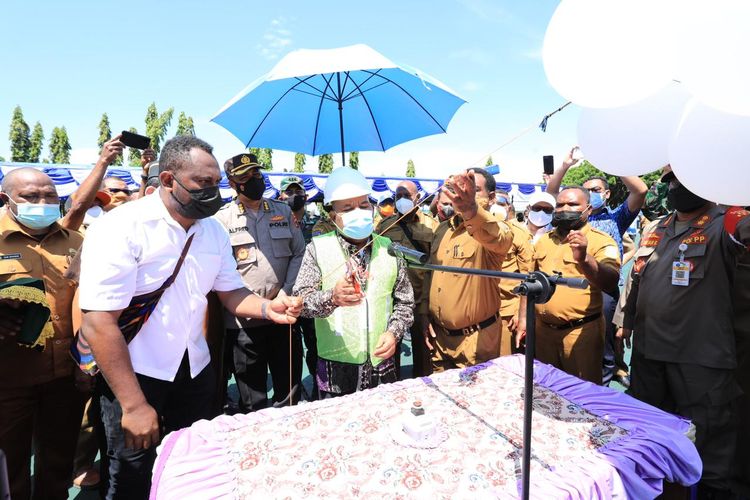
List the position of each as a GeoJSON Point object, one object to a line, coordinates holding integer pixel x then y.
{"type": "Point", "coordinates": [587, 442]}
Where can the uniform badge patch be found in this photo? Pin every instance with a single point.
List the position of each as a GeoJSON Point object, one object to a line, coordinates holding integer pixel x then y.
{"type": "Point", "coordinates": [696, 238]}
{"type": "Point", "coordinates": [277, 218]}
{"type": "Point", "coordinates": [242, 253]}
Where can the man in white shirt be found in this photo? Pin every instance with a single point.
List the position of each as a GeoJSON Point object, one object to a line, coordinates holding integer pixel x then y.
{"type": "Point", "coordinates": [161, 381]}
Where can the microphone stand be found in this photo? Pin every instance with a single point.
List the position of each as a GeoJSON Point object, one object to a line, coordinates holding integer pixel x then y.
{"type": "Point", "coordinates": [538, 287]}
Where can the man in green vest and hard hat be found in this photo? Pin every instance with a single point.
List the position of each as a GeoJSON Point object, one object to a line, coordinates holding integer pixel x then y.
{"type": "Point", "coordinates": [359, 295]}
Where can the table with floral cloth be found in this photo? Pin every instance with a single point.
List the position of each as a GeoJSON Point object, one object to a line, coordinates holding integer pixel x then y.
{"type": "Point", "coordinates": [587, 442]}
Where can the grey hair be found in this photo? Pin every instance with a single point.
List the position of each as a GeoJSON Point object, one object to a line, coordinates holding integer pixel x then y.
{"type": "Point", "coordinates": [176, 152]}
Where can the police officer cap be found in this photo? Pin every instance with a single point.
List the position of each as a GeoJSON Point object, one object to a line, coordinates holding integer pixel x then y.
{"type": "Point", "coordinates": [241, 164]}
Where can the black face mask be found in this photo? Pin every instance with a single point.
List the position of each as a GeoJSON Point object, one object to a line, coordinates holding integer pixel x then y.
{"type": "Point", "coordinates": [203, 203]}
{"type": "Point", "coordinates": [683, 200]}
{"type": "Point", "coordinates": [568, 220]}
{"type": "Point", "coordinates": [296, 202]}
{"type": "Point", "coordinates": [253, 188]}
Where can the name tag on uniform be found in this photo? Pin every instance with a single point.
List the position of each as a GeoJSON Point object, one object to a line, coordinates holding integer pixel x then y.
{"type": "Point", "coordinates": [680, 273]}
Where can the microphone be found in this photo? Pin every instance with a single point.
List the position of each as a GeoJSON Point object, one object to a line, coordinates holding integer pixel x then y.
{"type": "Point", "coordinates": [408, 254]}
{"type": "Point", "coordinates": [579, 283]}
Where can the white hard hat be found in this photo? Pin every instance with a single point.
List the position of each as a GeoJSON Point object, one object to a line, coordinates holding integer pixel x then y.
{"type": "Point", "coordinates": [542, 197]}
{"type": "Point", "coordinates": [344, 183]}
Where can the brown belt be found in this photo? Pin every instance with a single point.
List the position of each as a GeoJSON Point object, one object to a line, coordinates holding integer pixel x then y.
{"type": "Point", "coordinates": [575, 322]}
{"type": "Point", "coordinates": [472, 328]}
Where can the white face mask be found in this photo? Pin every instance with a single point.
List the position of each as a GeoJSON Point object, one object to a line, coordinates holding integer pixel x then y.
{"type": "Point", "coordinates": [404, 205]}
{"type": "Point", "coordinates": [540, 218]}
{"type": "Point", "coordinates": [499, 211]}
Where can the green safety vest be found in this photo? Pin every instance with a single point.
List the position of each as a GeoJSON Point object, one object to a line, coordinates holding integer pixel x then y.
{"type": "Point", "coordinates": [350, 334]}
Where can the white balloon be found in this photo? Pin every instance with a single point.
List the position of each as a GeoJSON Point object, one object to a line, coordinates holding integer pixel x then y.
{"type": "Point", "coordinates": [710, 154]}
{"type": "Point", "coordinates": [634, 139]}
{"type": "Point", "coordinates": [607, 53]}
{"type": "Point", "coordinates": [712, 41]}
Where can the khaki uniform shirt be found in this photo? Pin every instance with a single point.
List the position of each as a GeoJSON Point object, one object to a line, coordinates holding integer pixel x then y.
{"type": "Point", "coordinates": [268, 246]}
{"type": "Point", "coordinates": [421, 231]}
{"type": "Point", "coordinates": [23, 256]}
{"type": "Point", "coordinates": [552, 255]}
{"type": "Point", "coordinates": [323, 226]}
{"type": "Point", "coordinates": [460, 300]}
{"type": "Point", "coordinates": [689, 324]}
{"type": "Point", "coordinates": [519, 259]}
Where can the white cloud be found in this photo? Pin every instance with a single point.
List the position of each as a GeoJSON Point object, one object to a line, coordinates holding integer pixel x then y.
{"type": "Point", "coordinates": [275, 40]}
{"type": "Point", "coordinates": [83, 156]}
{"type": "Point", "coordinates": [472, 86]}
{"type": "Point", "coordinates": [476, 56]}
{"type": "Point", "coordinates": [535, 54]}
{"type": "Point", "coordinates": [486, 9]}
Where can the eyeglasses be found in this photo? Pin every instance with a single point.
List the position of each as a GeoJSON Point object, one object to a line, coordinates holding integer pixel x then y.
{"type": "Point", "coordinates": [546, 210]}
{"type": "Point", "coordinates": [292, 192]}
{"type": "Point", "coordinates": [127, 192]}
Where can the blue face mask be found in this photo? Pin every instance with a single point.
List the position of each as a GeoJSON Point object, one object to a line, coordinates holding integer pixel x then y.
{"type": "Point", "coordinates": [37, 215]}
{"type": "Point", "coordinates": [597, 200]}
{"type": "Point", "coordinates": [358, 224]}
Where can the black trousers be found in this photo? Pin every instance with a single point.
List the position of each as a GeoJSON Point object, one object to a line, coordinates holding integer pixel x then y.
{"type": "Point", "coordinates": [706, 396]}
{"type": "Point", "coordinates": [609, 304]}
{"type": "Point", "coordinates": [179, 404]}
{"type": "Point", "coordinates": [45, 419]}
{"type": "Point", "coordinates": [258, 350]}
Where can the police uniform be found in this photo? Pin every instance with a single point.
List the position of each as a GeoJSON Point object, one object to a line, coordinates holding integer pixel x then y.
{"type": "Point", "coordinates": [519, 259]}
{"type": "Point", "coordinates": [464, 309]}
{"type": "Point", "coordinates": [415, 232]}
{"type": "Point", "coordinates": [268, 247]}
{"type": "Point", "coordinates": [684, 347]}
{"type": "Point", "coordinates": [570, 327]}
{"type": "Point", "coordinates": [742, 332]}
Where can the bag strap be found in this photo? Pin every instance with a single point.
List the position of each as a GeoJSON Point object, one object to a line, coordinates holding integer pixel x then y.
{"type": "Point", "coordinates": [176, 271]}
{"type": "Point", "coordinates": [410, 236]}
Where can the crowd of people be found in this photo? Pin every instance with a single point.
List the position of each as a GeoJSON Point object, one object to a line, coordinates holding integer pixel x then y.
{"type": "Point", "coordinates": [162, 295]}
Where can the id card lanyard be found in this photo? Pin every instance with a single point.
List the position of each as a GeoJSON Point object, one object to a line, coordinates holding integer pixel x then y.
{"type": "Point", "coordinates": [680, 268]}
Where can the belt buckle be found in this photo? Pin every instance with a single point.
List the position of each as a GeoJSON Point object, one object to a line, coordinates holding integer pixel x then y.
{"type": "Point", "coordinates": [470, 329]}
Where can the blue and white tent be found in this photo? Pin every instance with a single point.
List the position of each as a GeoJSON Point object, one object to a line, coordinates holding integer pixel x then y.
{"type": "Point", "coordinates": [67, 178]}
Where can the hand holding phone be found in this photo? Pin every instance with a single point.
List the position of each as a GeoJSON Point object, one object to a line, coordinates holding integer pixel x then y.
{"type": "Point", "coordinates": [549, 164]}
{"type": "Point", "coordinates": [136, 141]}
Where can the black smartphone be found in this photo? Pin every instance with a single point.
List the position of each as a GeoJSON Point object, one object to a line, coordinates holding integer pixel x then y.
{"type": "Point", "coordinates": [136, 141]}
{"type": "Point", "coordinates": [549, 164]}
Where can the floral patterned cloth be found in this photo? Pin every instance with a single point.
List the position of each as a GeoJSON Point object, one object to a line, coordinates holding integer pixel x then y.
{"type": "Point", "coordinates": [342, 448]}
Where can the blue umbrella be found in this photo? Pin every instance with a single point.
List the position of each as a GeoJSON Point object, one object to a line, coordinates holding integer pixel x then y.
{"type": "Point", "coordinates": [346, 99]}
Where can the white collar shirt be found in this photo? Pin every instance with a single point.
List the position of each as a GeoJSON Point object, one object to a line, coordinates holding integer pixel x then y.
{"type": "Point", "coordinates": [133, 251]}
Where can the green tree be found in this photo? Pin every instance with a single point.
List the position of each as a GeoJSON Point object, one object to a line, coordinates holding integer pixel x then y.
{"type": "Point", "coordinates": [576, 176]}
{"type": "Point", "coordinates": [20, 143]}
{"type": "Point", "coordinates": [410, 170]}
{"type": "Point", "coordinates": [59, 146]}
{"type": "Point", "coordinates": [105, 134]}
{"type": "Point", "coordinates": [185, 125]}
{"type": "Point", "coordinates": [299, 162]}
{"type": "Point", "coordinates": [37, 143]}
{"type": "Point", "coordinates": [156, 125]}
{"type": "Point", "coordinates": [265, 157]}
{"type": "Point", "coordinates": [325, 164]}
{"type": "Point", "coordinates": [2, 158]}
{"type": "Point", "coordinates": [489, 162]}
{"type": "Point", "coordinates": [354, 160]}
{"type": "Point", "coordinates": [134, 155]}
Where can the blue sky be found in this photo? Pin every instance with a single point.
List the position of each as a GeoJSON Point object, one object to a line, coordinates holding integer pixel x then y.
{"type": "Point", "coordinates": [67, 62]}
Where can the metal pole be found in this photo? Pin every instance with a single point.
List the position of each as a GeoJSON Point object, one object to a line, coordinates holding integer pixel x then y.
{"type": "Point", "coordinates": [528, 394]}
{"type": "Point", "coordinates": [341, 118]}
